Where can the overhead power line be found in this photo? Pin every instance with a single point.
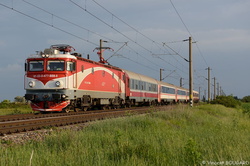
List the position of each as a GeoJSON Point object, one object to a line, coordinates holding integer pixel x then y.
{"type": "Point", "coordinates": [188, 30]}
{"type": "Point", "coordinates": [181, 18]}
{"type": "Point", "coordinates": [70, 22]}
{"type": "Point", "coordinates": [45, 23]}
{"type": "Point", "coordinates": [84, 9]}
{"type": "Point", "coordinates": [51, 24]}
{"type": "Point", "coordinates": [164, 44]}
{"type": "Point", "coordinates": [123, 21]}
{"type": "Point", "coordinates": [64, 31]}
{"type": "Point", "coordinates": [111, 26]}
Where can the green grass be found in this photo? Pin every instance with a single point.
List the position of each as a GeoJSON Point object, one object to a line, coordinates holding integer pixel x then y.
{"type": "Point", "coordinates": [184, 136]}
{"type": "Point", "coordinates": [14, 108]}
{"type": "Point", "coordinates": [246, 108]}
{"type": "Point", "coordinates": [13, 111]}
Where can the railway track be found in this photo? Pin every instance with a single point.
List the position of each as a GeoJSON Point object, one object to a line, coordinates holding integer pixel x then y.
{"type": "Point", "coordinates": [26, 122]}
{"type": "Point", "coordinates": [5, 118]}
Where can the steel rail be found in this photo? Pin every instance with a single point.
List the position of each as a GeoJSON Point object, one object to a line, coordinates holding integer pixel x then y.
{"type": "Point", "coordinates": [4, 118]}
{"type": "Point", "coordinates": [8, 127]}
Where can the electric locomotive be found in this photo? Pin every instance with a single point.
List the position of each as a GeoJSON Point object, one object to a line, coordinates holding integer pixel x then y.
{"type": "Point", "coordinates": [58, 80]}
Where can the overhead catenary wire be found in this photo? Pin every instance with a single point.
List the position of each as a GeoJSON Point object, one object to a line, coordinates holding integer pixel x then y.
{"type": "Point", "coordinates": [123, 21]}
{"type": "Point", "coordinates": [111, 26]}
{"type": "Point", "coordinates": [164, 44]}
{"type": "Point", "coordinates": [84, 9]}
{"type": "Point", "coordinates": [64, 31]}
{"type": "Point", "coordinates": [93, 43]}
{"type": "Point", "coordinates": [113, 15]}
{"type": "Point", "coordinates": [187, 29]}
{"type": "Point", "coordinates": [45, 23]}
{"type": "Point", "coordinates": [135, 42]}
{"type": "Point", "coordinates": [70, 22]}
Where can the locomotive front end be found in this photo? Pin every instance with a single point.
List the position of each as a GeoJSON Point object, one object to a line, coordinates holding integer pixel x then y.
{"type": "Point", "coordinates": [49, 78]}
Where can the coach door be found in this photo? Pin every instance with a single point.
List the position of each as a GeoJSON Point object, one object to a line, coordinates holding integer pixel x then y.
{"type": "Point", "coordinates": [127, 84]}
{"type": "Point", "coordinates": [159, 93]}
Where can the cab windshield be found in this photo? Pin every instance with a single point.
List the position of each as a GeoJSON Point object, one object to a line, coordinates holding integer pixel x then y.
{"type": "Point", "coordinates": [36, 65]}
{"type": "Point", "coordinates": [55, 65]}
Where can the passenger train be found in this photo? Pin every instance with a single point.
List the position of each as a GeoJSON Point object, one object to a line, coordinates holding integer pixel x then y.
{"type": "Point", "coordinates": [59, 80]}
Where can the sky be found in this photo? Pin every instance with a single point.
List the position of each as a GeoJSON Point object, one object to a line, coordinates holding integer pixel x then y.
{"type": "Point", "coordinates": [146, 36]}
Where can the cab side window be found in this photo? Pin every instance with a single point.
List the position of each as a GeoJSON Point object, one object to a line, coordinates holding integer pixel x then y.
{"type": "Point", "coordinates": [71, 66]}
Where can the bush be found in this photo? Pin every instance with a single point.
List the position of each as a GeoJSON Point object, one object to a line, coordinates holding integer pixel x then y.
{"type": "Point", "coordinates": [246, 108]}
{"type": "Point", "coordinates": [227, 101]}
{"type": "Point", "coordinates": [20, 99]}
{"type": "Point", "coordinates": [246, 99]}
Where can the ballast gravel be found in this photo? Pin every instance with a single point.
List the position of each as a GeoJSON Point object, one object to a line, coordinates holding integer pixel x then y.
{"type": "Point", "coordinates": [38, 135]}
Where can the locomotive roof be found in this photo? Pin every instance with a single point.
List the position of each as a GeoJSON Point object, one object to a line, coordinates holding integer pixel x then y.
{"type": "Point", "coordinates": [97, 63]}
{"type": "Point", "coordinates": [67, 55]}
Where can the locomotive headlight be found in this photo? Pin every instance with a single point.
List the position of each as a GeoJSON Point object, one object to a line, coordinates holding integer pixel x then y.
{"type": "Point", "coordinates": [45, 55]}
{"type": "Point", "coordinates": [31, 84]}
{"type": "Point", "coordinates": [58, 83]}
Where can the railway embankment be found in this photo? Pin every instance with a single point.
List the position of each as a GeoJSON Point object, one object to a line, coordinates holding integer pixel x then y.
{"type": "Point", "coordinates": [183, 136]}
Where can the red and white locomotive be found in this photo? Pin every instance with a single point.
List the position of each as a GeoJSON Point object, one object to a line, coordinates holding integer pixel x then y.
{"type": "Point", "coordinates": [58, 80]}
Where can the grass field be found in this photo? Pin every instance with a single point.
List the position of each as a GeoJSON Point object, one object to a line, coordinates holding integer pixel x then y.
{"type": "Point", "coordinates": [14, 108]}
{"type": "Point", "coordinates": [13, 111]}
{"type": "Point", "coordinates": [203, 135]}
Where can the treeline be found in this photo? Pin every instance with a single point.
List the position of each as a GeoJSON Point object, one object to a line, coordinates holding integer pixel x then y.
{"type": "Point", "coordinates": [228, 101]}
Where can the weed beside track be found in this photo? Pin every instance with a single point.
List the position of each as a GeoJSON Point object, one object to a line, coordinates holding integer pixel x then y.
{"type": "Point", "coordinates": [182, 136]}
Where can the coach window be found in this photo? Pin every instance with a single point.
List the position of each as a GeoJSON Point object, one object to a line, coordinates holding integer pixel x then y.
{"type": "Point", "coordinates": [132, 84]}
{"type": "Point", "coordinates": [36, 65]}
{"type": "Point", "coordinates": [144, 85]}
{"type": "Point", "coordinates": [149, 87]}
{"type": "Point", "coordinates": [154, 89]}
{"type": "Point", "coordinates": [71, 66]}
{"type": "Point", "coordinates": [55, 65]}
{"type": "Point", "coordinates": [140, 85]}
{"type": "Point", "coordinates": [163, 89]}
{"type": "Point", "coordinates": [136, 84]}
{"type": "Point", "coordinates": [169, 90]}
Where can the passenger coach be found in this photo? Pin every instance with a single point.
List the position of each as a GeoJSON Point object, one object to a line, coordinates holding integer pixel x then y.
{"type": "Point", "coordinates": [143, 90]}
